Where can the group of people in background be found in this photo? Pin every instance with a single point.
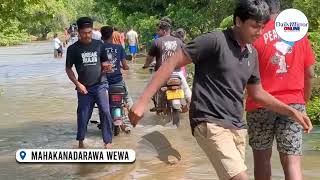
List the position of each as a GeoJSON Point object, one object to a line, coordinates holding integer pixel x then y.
{"type": "Point", "coordinates": [131, 38]}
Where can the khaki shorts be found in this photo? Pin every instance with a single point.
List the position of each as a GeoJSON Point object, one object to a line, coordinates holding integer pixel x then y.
{"type": "Point", "coordinates": [224, 147]}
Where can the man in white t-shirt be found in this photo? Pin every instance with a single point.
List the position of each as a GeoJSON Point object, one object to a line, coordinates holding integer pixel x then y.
{"type": "Point", "coordinates": [133, 41]}
{"type": "Point", "coordinates": [57, 46]}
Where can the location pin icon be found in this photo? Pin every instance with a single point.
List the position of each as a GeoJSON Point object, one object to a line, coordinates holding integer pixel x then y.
{"type": "Point", "coordinates": [23, 155]}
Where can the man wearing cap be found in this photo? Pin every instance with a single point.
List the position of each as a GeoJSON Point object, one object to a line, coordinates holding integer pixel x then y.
{"type": "Point", "coordinates": [91, 86]}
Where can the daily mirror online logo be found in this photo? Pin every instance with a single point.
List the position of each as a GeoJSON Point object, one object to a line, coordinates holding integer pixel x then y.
{"type": "Point", "coordinates": [291, 25]}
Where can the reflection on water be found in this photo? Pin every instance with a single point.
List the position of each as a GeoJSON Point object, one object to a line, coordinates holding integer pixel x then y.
{"type": "Point", "coordinates": [37, 110]}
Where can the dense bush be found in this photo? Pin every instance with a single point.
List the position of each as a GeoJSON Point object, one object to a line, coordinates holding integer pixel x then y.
{"type": "Point", "coordinates": [313, 110]}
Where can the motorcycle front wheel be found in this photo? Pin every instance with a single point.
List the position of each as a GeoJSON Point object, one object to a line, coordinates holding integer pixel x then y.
{"type": "Point", "coordinates": [116, 130]}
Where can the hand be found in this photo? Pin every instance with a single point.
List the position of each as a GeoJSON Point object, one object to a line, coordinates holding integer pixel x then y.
{"type": "Point", "coordinates": [136, 113]}
{"type": "Point", "coordinates": [82, 89]}
{"type": "Point", "coordinates": [107, 67]}
{"type": "Point", "coordinates": [303, 120]}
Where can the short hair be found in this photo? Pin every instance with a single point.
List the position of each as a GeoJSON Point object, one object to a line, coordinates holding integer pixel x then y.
{"type": "Point", "coordinates": [106, 32]}
{"type": "Point", "coordinates": [84, 22]}
{"type": "Point", "coordinates": [165, 23]}
{"type": "Point", "coordinates": [257, 10]}
{"type": "Point", "coordinates": [180, 33]}
{"type": "Point", "coordinates": [274, 6]}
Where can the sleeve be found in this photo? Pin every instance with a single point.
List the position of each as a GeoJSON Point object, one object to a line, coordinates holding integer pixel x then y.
{"type": "Point", "coordinates": [153, 50]}
{"type": "Point", "coordinates": [201, 47]}
{"type": "Point", "coordinates": [103, 55]}
{"type": "Point", "coordinates": [255, 76]}
{"type": "Point", "coordinates": [69, 58]}
{"type": "Point", "coordinates": [309, 57]}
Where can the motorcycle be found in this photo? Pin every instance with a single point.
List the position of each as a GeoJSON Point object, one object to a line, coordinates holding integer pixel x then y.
{"type": "Point", "coordinates": [117, 109]}
{"type": "Point", "coordinates": [170, 100]}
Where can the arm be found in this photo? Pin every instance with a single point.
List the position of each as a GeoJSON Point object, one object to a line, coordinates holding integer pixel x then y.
{"type": "Point", "coordinates": [69, 63]}
{"type": "Point", "coordinates": [160, 77]}
{"type": "Point", "coordinates": [308, 75]}
{"type": "Point", "coordinates": [72, 76]}
{"type": "Point", "coordinates": [259, 95]}
{"type": "Point", "coordinates": [80, 87]}
{"type": "Point", "coordinates": [124, 64]}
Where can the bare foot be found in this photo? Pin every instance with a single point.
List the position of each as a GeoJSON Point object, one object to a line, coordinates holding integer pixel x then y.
{"type": "Point", "coordinates": [108, 146]}
{"type": "Point", "coordinates": [81, 145]}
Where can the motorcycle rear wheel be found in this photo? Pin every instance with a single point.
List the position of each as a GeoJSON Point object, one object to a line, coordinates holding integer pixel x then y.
{"type": "Point", "coordinates": [175, 117]}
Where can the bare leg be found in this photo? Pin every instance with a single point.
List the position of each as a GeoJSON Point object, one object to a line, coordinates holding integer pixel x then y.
{"type": "Point", "coordinates": [108, 146]}
{"type": "Point", "coordinates": [241, 176]}
{"type": "Point", "coordinates": [81, 145]}
{"type": "Point", "coordinates": [291, 165]}
{"type": "Point", "coordinates": [262, 165]}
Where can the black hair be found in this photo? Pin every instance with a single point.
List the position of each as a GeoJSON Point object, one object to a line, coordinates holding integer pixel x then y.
{"type": "Point", "coordinates": [84, 22]}
{"type": "Point", "coordinates": [55, 35]}
{"type": "Point", "coordinates": [106, 32]}
{"type": "Point", "coordinates": [165, 24]}
{"type": "Point", "coordinates": [257, 10]}
{"type": "Point", "coordinates": [274, 6]}
{"type": "Point", "coordinates": [180, 33]}
{"type": "Point", "coordinates": [115, 28]}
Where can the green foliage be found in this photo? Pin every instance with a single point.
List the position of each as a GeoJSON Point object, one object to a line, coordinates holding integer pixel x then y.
{"type": "Point", "coordinates": [21, 18]}
{"type": "Point", "coordinates": [190, 72]}
{"type": "Point", "coordinates": [286, 4]}
{"type": "Point", "coordinates": [198, 17]}
{"type": "Point", "coordinates": [315, 42]}
{"type": "Point", "coordinates": [226, 22]}
{"type": "Point", "coordinates": [39, 17]}
{"type": "Point", "coordinates": [311, 9]}
{"type": "Point", "coordinates": [313, 110]}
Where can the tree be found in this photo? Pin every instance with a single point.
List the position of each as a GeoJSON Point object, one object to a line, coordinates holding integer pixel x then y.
{"type": "Point", "coordinates": [311, 9]}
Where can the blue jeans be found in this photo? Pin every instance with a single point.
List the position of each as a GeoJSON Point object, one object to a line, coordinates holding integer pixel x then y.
{"type": "Point", "coordinates": [96, 94]}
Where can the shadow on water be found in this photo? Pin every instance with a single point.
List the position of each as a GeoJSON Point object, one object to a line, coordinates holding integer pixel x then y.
{"type": "Point", "coordinates": [162, 146]}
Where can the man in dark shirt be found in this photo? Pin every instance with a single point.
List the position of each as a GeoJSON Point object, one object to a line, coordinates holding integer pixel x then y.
{"type": "Point", "coordinates": [164, 47]}
{"type": "Point", "coordinates": [91, 87]}
{"type": "Point", "coordinates": [116, 55]}
{"type": "Point", "coordinates": [225, 64]}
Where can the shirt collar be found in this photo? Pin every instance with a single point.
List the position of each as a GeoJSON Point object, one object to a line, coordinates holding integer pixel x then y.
{"type": "Point", "coordinates": [230, 34]}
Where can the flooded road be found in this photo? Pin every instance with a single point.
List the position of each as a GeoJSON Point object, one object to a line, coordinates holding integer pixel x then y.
{"type": "Point", "coordinates": [38, 110]}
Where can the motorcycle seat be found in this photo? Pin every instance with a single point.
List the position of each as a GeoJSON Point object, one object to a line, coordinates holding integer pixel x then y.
{"type": "Point", "coordinates": [116, 89]}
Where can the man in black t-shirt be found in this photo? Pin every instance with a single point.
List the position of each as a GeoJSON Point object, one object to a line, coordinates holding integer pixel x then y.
{"type": "Point", "coordinates": [164, 47]}
{"type": "Point", "coordinates": [225, 64]}
{"type": "Point", "coordinates": [91, 86]}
